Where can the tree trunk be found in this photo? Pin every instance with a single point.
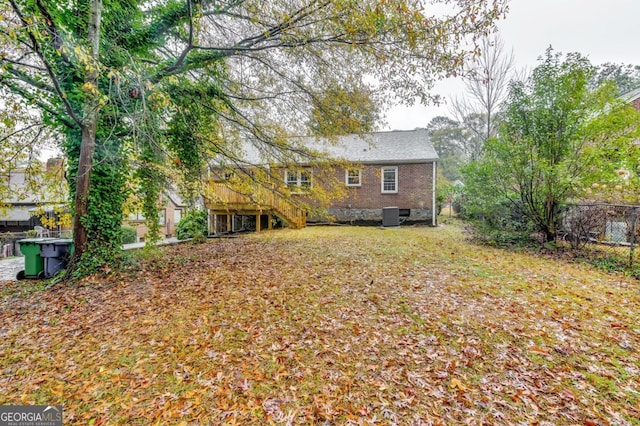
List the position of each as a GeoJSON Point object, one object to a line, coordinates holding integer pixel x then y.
{"type": "Point", "coordinates": [83, 182]}
{"type": "Point", "coordinates": [88, 141]}
{"type": "Point", "coordinates": [550, 219]}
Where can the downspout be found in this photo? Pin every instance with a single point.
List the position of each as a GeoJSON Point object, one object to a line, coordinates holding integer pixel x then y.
{"type": "Point", "coordinates": [434, 212]}
{"type": "Point", "coordinates": [208, 210]}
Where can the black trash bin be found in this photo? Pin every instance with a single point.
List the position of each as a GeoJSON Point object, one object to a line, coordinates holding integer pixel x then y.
{"type": "Point", "coordinates": [56, 253]}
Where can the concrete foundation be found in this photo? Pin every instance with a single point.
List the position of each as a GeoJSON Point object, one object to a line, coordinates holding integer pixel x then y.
{"type": "Point", "coordinates": [374, 216]}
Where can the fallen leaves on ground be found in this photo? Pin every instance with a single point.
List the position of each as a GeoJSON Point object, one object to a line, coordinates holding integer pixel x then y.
{"type": "Point", "coordinates": [330, 325]}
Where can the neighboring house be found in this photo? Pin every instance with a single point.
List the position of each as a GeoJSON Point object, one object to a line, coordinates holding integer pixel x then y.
{"type": "Point", "coordinates": [172, 209]}
{"type": "Point", "coordinates": [27, 204]}
{"type": "Point", "coordinates": [378, 170]}
{"type": "Point", "coordinates": [633, 98]}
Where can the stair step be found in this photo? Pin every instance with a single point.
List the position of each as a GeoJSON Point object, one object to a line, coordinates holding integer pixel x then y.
{"type": "Point", "coordinates": [230, 200]}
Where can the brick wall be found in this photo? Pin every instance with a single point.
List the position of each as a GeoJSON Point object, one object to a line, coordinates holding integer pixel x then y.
{"type": "Point", "coordinates": [414, 188]}
{"type": "Point", "coordinates": [169, 227]}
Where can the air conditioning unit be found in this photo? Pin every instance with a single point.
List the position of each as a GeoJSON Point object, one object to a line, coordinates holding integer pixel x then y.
{"type": "Point", "coordinates": [390, 216]}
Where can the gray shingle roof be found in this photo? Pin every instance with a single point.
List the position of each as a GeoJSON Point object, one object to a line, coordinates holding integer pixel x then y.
{"type": "Point", "coordinates": [395, 147]}
{"type": "Point", "coordinates": [175, 198]}
{"type": "Point", "coordinates": [631, 95]}
{"type": "Point", "coordinates": [411, 146]}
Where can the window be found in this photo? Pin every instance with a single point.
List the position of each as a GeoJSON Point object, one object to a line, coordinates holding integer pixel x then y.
{"type": "Point", "coordinates": [296, 180]}
{"type": "Point", "coordinates": [136, 217]}
{"type": "Point", "coordinates": [389, 180]}
{"type": "Point", "coordinates": [305, 179]}
{"type": "Point", "coordinates": [290, 178]}
{"type": "Point", "coordinates": [353, 177]}
{"type": "Point", "coordinates": [139, 217]}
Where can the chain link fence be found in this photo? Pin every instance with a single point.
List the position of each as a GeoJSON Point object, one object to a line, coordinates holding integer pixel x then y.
{"type": "Point", "coordinates": [603, 231]}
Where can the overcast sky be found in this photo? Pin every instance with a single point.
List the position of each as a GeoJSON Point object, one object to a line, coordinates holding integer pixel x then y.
{"type": "Point", "coordinates": [602, 30]}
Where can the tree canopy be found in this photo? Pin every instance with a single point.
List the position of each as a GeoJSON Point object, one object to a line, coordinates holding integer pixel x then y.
{"type": "Point", "coordinates": [625, 76]}
{"type": "Point", "coordinates": [342, 111]}
{"type": "Point", "coordinates": [449, 139]}
{"type": "Point", "coordinates": [558, 138]}
{"type": "Point", "coordinates": [159, 87]}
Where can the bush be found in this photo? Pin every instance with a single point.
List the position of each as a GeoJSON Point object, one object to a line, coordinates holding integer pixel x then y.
{"type": "Point", "coordinates": [456, 205]}
{"type": "Point", "coordinates": [487, 235]}
{"type": "Point", "coordinates": [193, 225]}
{"type": "Point", "coordinates": [497, 213]}
{"type": "Point", "coordinates": [129, 235]}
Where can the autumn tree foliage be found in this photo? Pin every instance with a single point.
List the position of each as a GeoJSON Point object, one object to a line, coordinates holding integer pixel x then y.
{"type": "Point", "coordinates": [161, 86]}
{"type": "Point", "coordinates": [341, 111]}
{"type": "Point", "coordinates": [558, 139]}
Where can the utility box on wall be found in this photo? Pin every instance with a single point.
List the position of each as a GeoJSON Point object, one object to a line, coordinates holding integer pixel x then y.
{"type": "Point", "coordinates": [390, 216]}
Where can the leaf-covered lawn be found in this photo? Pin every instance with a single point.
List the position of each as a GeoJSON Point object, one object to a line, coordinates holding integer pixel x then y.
{"type": "Point", "coordinates": [330, 325]}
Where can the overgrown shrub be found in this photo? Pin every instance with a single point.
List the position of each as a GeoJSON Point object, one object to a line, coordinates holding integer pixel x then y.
{"type": "Point", "coordinates": [484, 234]}
{"type": "Point", "coordinates": [129, 235]}
{"type": "Point", "coordinates": [193, 225]}
{"type": "Point", "coordinates": [456, 205]}
{"type": "Point", "coordinates": [497, 213]}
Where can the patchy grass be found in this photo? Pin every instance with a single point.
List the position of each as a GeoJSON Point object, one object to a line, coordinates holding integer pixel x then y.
{"type": "Point", "coordinates": [332, 325]}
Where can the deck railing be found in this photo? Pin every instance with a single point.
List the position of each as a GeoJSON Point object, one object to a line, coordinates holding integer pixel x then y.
{"type": "Point", "coordinates": [224, 197]}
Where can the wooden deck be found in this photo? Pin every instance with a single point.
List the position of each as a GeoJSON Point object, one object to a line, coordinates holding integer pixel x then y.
{"type": "Point", "coordinates": [225, 201]}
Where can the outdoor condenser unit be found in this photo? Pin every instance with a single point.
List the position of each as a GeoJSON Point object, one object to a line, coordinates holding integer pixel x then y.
{"type": "Point", "coordinates": [390, 216]}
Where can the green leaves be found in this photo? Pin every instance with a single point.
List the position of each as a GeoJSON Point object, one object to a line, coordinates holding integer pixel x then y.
{"type": "Point", "coordinates": [557, 137]}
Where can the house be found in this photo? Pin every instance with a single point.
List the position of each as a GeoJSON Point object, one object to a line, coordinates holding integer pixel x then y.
{"type": "Point", "coordinates": [29, 202]}
{"type": "Point", "coordinates": [377, 170]}
{"type": "Point", "coordinates": [34, 201]}
{"type": "Point", "coordinates": [632, 97]}
{"type": "Point", "coordinates": [172, 209]}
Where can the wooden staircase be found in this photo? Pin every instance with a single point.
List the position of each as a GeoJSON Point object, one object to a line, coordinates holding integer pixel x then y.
{"type": "Point", "coordinates": [222, 199]}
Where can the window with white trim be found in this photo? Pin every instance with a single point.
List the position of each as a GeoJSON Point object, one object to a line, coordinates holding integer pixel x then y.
{"type": "Point", "coordinates": [353, 177]}
{"type": "Point", "coordinates": [389, 180]}
{"type": "Point", "coordinates": [290, 178]}
{"type": "Point", "coordinates": [297, 180]}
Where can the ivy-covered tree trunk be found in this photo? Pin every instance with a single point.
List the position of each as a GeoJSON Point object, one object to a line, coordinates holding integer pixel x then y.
{"type": "Point", "coordinates": [83, 182]}
{"type": "Point", "coordinates": [88, 136]}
